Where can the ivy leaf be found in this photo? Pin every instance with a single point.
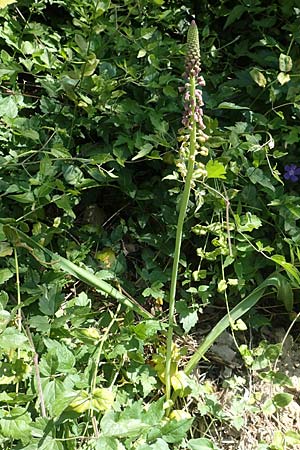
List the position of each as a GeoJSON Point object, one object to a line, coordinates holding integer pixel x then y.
{"type": "Point", "coordinates": [215, 169]}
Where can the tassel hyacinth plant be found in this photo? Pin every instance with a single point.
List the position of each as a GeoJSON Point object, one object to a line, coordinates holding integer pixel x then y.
{"type": "Point", "coordinates": [193, 139]}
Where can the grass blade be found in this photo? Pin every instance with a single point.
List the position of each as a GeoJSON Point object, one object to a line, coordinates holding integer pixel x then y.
{"type": "Point", "coordinates": [238, 311]}
{"type": "Point", "coordinates": [59, 262]}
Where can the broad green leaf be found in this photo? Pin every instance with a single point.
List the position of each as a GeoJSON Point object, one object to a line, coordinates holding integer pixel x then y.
{"type": "Point", "coordinates": [215, 169]}
{"type": "Point", "coordinates": [282, 400]}
{"type": "Point", "coordinates": [5, 274]}
{"type": "Point", "coordinates": [102, 399]}
{"type": "Point", "coordinates": [256, 175]}
{"type": "Point", "coordinates": [40, 323]}
{"type": "Point", "coordinates": [63, 202]}
{"type": "Point", "coordinates": [50, 299]}
{"type": "Point", "coordinates": [258, 77]}
{"type": "Point", "coordinates": [175, 430]}
{"type": "Point", "coordinates": [292, 438]}
{"type": "Point", "coordinates": [107, 443]}
{"type": "Point", "coordinates": [52, 389]}
{"type": "Point", "coordinates": [8, 107]}
{"type": "Point", "coordinates": [248, 222]}
{"type": "Point", "coordinates": [201, 444]}
{"type": "Point", "coordinates": [112, 427]}
{"type": "Point", "coordinates": [4, 319]}
{"type": "Point", "coordinates": [26, 197]}
{"type": "Point", "coordinates": [16, 424]}
{"type": "Point", "coordinates": [188, 316]}
{"type": "Point", "coordinates": [236, 12]}
{"type": "Point", "coordinates": [295, 210]}
{"type": "Point", "coordinates": [12, 339]}
{"type": "Point", "coordinates": [5, 250]}
{"type": "Point", "coordinates": [285, 63]}
{"type": "Point", "coordinates": [283, 78]}
{"type": "Point", "coordinates": [65, 358]}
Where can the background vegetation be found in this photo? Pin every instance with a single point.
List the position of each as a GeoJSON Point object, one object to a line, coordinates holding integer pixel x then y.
{"type": "Point", "coordinates": [90, 112]}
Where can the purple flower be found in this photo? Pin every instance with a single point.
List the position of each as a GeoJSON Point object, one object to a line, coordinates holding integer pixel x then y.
{"type": "Point", "coordinates": [292, 173]}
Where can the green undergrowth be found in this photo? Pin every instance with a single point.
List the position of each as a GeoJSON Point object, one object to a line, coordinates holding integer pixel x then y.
{"type": "Point", "coordinates": [90, 196]}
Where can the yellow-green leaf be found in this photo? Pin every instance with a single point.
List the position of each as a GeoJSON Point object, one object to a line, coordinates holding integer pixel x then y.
{"type": "Point", "coordinates": [258, 77]}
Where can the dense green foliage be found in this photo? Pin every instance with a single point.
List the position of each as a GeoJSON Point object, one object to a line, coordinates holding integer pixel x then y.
{"type": "Point", "coordinates": [90, 112]}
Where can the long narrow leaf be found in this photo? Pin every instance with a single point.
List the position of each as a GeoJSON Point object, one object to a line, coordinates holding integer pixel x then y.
{"type": "Point", "coordinates": [59, 262]}
{"type": "Point", "coordinates": [238, 311]}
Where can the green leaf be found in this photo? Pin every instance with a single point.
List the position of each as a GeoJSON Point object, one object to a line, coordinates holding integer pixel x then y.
{"type": "Point", "coordinates": [5, 250]}
{"type": "Point", "coordinates": [201, 444]}
{"type": "Point", "coordinates": [8, 107]}
{"type": "Point", "coordinates": [145, 149]}
{"type": "Point", "coordinates": [26, 197]}
{"type": "Point", "coordinates": [282, 400]}
{"type": "Point", "coordinates": [295, 210]}
{"type": "Point", "coordinates": [289, 268]}
{"type": "Point", "coordinates": [238, 311]}
{"type": "Point", "coordinates": [82, 274]}
{"type": "Point", "coordinates": [229, 105]}
{"type": "Point", "coordinates": [283, 78]}
{"type": "Point", "coordinates": [5, 274]}
{"type": "Point", "coordinates": [53, 389]}
{"type": "Point", "coordinates": [12, 339]}
{"type": "Point", "coordinates": [188, 316]}
{"type": "Point", "coordinates": [258, 77]}
{"type": "Point", "coordinates": [236, 12]}
{"type": "Point", "coordinates": [107, 443]}
{"type": "Point", "coordinates": [4, 319]}
{"type": "Point", "coordinates": [50, 300]}
{"type": "Point", "coordinates": [175, 430]}
{"type": "Point", "coordinates": [292, 438]}
{"type": "Point", "coordinates": [285, 63]}
{"type": "Point", "coordinates": [40, 323]}
{"type": "Point", "coordinates": [285, 294]}
{"type": "Point", "coordinates": [257, 176]}
{"type": "Point", "coordinates": [16, 424]}
{"type": "Point", "coordinates": [65, 358]}
{"type": "Point", "coordinates": [248, 222]}
{"type": "Point", "coordinates": [215, 169]}
{"type": "Point", "coordinates": [112, 427]}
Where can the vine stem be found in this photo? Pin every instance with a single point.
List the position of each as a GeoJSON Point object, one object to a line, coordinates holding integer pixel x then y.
{"type": "Point", "coordinates": [179, 232]}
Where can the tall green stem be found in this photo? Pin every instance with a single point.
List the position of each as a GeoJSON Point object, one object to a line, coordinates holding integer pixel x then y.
{"type": "Point", "coordinates": [182, 213]}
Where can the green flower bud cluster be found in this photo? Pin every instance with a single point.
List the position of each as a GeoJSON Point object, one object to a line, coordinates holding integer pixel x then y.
{"type": "Point", "coordinates": [193, 103]}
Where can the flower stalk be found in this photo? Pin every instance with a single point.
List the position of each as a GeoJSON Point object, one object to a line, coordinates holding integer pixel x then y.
{"type": "Point", "coordinates": [192, 138]}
